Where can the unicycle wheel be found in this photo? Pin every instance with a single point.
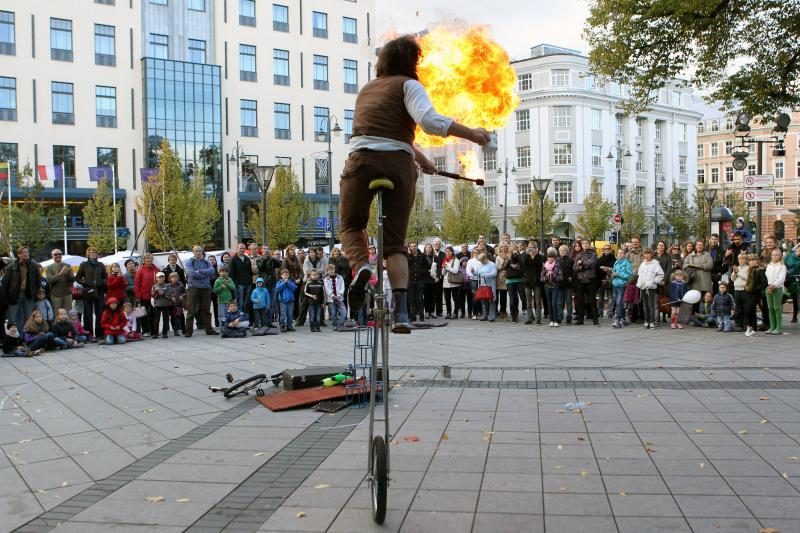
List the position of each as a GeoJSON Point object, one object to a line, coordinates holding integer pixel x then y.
{"type": "Point", "coordinates": [380, 480]}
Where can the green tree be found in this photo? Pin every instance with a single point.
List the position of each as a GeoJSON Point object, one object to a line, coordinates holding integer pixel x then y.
{"type": "Point", "coordinates": [98, 214]}
{"type": "Point", "coordinates": [528, 223]}
{"type": "Point", "coordinates": [286, 209]}
{"type": "Point", "coordinates": [465, 215]}
{"type": "Point", "coordinates": [699, 215]}
{"type": "Point", "coordinates": [737, 50]}
{"type": "Point", "coordinates": [595, 220]}
{"type": "Point", "coordinates": [179, 213]}
{"type": "Point", "coordinates": [635, 222]}
{"type": "Point", "coordinates": [420, 224]}
{"type": "Point", "coordinates": [30, 221]}
{"type": "Point", "coordinates": [736, 203]}
{"type": "Point", "coordinates": [676, 212]}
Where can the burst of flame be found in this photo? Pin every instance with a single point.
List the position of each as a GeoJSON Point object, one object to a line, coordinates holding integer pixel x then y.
{"type": "Point", "coordinates": [470, 166]}
{"type": "Point", "coordinates": [468, 77]}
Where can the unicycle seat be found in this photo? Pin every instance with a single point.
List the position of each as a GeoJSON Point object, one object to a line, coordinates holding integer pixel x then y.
{"type": "Point", "coordinates": [381, 183]}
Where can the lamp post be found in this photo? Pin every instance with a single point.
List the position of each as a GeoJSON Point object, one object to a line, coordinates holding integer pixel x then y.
{"type": "Point", "coordinates": [656, 232]}
{"type": "Point", "coordinates": [709, 195]}
{"type": "Point", "coordinates": [264, 174]}
{"type": "Point", "coordinates": [541, 185]}
{"type": "Point", "coordinates": [505, 193]}
{"type": "Point", "coordinates": [241, 159]}
{"type": "Point", "coordinates": [322, 135]}
{"type": "Point", "coordinates": [618, 156]}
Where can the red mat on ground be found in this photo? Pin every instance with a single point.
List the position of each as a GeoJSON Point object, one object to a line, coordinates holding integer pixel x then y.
{"type": "Point", "coordinates": [283, 400]}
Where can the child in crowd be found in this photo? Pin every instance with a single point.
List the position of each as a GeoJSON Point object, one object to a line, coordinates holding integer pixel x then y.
{"type": "Point", "coordinates": [113, 322]}
{"type": "Point", "coordinates": [315, 292]}
{"type": "Point", "coordinates": [704, 316]}
{"type": "Point", "coordinates": [621, 273]}
{"type": "Point", "coordinates": [285, 290]}
{"type": "Point", "coordinates": [234, 322]}
{"type": "Point", "coordinates": [44, 307]}
{"type": "Point", "coordinates": [225, 289]}
{"type": "Point", "coordinates": [64, 331]}
{"type": "Point", "coordinates": [37, 333]}
{"type": "Point", "coordinates": [754, 287]}
{"type": "Point", "coordinates": [651, 275]}
{"type": "Point", "coordinates": [130, 326]}
{"type": "Point", "coordinates": [723, 307]}
{"type": "Point", "coordinates": [116, 284]}
{"type": "Point", "coordinates": [739, 275]}
{"type": "Point", "coordinates": [631, 298]}
{"type": "Point", "coordinates": [677, 289]}
{"type": "Point", "coordinates": [776, 277]}
{"type": "Point", "coordinates": [161, 305]}
{"type": "Point", "coordinates": [334, 295]}
{"type": "Point", "coordinates": [551, 277]}
{"type": "Point", "coordinates": [176, 293]}
{"type": "Point", "coordinates": [261, 304]}
{"type": "Point", "coordinates": [77, 324]}
{"type": "Point", "coordinates": [13, 344]}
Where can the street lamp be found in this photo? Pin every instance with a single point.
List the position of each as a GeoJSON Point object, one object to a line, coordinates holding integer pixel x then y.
{"type": "Point", "coordinates": [322, 135]}
{"type": "Point", "coordinates": [618, 156]}
{"type": "Point", "coordinates": [656, 232]}
{"type": "Point", "coordinates": [264, 174]}
{"type": "Point", "coordinates": [541, 185]}
{"type": "Point", "coordinates": [505, 170]}
{"type": "Point", "coordinates": [242, 160]}
{"type": "Point", "coordinates": [709, 195]}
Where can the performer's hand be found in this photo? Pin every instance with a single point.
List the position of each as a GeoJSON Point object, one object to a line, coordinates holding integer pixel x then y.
{"type": "Point", "coordinates": [480, 136]}
{"type": "Point", "coordinates": [428, 167]}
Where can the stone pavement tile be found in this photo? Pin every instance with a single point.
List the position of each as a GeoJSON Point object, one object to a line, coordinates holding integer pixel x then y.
{"type": "Point", "coordinates": [199, 473]}
{"type": "Point", "coordinates": [689, 417]}
{"type": "Point", "coordinates": [571, 504]}
{"type": "Point", "coordinates": [516, 502]}
{"type": "Point", "coordinates": [685, 467]}
{"type": "Point", "coordinates": [773, 506]}
{"type": "Point", "coordinates": [477, 450]}
{"type": "Point", "coordinates": [88, 527]}
{"type": "Point", "coordinates": [709, 485]}
{"type": "Point", "coordinates": [651, 524]}
{"type": "Point", "coordinates": [54, 497]}
{"type": "Point", "coordinates": [610, 451]}
{"type": "Point", "coordinates": [140, 450]}
{"type": "Point", "coordinates": [360, 521]}
{"type": "Point", "coordinates": [513, 465]}
{"type": "Point", "coordinates": [349, 478]}
{"type": "Point", "coordinates": [510, 425]}
{"type": "Point", "coordinates": [633, 467]}
{"type": "Point", "coordinates": [445, 500]}
{"type": "Point", "coordinates": [52, 473]}
{"type": "Point", "coordinates": [615, 439]}
{"type": "Point", "coordinates": [453, 463]}
{"type": "Point", "coordinates": [507, 523]}
{"type": "Point", "coordinates": [635, 485]}
{"type": "Point", "coordinates": [511, 482]}
{"type": "Point", "coordinates": [741, 451]}
{"type": "Point", "coordinates": [582, 524]}
{"type": "Point", "coordinates": [620, 426]}
{"type": "Point", "coordinates": [91, 441]}
{"type": "Point", "coordinates": [405, 463]}
{"type": "Point", "coordinates": [712, 506]}
{"type": "Point", "coordinates": [571, 484]}
{"type": "Point", "coordinates": [762, 486]}
{"type": "Point", "coordinates": [101, 464]}
{"type": "Point", "coordinates": [218, 457]}
{"type": "Point", "coordinates": [732, 525]}
{"type": "Point", "coordinates": [769, 439]}
{"type": "Point", "coordinates": [656, 427]}
{"type": "Point", "coordinates": [513, 450]}
{"type": "Point", "coordinates": [65, 425]}
{"type": "Point", "coordinates": [133, 435]}
{"type": "Point", "coordinates": [743, 467]}
{"type": "Point", "coordinates": [513, 437]}
{"type": "Point", "coordinates": [125, 511]}
{"type": "Point", "coordinates": [398, 499]}
{"type": "Point", "coordinates": [31, 451]}
{"type": "Point", "coordinates": [323, 497]}
{"type": "Point", "coordinates": [17, 504]}
{"type": "Point", "coordinates": [427, 521]}
{"type": "Point", "coordinates": [573, 451]}
{"type": "Point", "coordinates": [452, 481]}
{"type": "Point", "coordinates": [643, 505]}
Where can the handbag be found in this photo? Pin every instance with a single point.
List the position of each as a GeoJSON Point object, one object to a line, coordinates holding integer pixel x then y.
{"type": "Point", "coordinates": [139, 311]}
{"type": "Point", "coordinates": [455, 278]}
{"type": "Point", "coordinates": [77, 293]}
{"type": "Point", "coordinates": [484, 292]}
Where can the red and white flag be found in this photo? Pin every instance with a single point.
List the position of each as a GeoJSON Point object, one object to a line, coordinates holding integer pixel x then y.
{"type": "Point", "coordinates": [49, 172]}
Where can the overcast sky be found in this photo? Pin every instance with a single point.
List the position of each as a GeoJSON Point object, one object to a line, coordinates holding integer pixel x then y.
{"type": "Point", "coordinates": [516, 24]}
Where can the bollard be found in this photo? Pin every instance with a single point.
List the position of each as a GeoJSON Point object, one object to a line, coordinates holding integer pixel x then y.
{"type": "Point", "coordinates": [445, 371]}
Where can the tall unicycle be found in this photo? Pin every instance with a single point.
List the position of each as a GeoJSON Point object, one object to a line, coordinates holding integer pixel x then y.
{"type": "Point", "coordinates": [378, 467]}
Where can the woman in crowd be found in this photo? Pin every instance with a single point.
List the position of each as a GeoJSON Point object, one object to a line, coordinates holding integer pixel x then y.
{"type": "Point", "coordinates": [117, 284]}
{"type": "Point", "coordinates": [451, 282]}
{"type": "Point", "coordinates": [675, 257]}
{"type": "Point", "coordinates": [224, 259]}
{"type": "Point", "coordinates": [130, 280]}
{"type": "Point", "coordinates": [145, 279]}
{"type": "Point", "coordinates": [487, 276]}
{"type": "Point", "coordinates": [565, 285]}
{"type": "Point", "coordinates": [430, 281]}
{"type": "Point", "coordinates": [473, 266]}
{"type": "Point", "coordinates": [464, 297]}
{"type": "Point", "coordinates": [92, 277]}
{"type": "Point", "coordinates": [515, 284]}
{"type": "Point", "coordinates": [688, 249]}
{"type": "Point", "coordinates": [551, 277]}
{"type": "Point", "coordinates": [212, 260]}
{"type": "Point", "coordinates": [501, 293]}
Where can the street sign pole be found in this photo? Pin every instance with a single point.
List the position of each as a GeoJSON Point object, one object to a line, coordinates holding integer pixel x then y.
{"type": "Point", "coordinates": [759, 170]}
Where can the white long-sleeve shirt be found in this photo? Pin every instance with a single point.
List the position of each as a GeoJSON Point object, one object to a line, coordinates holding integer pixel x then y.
{"type": "Point", "coordinates": [650, 274]}
{"type": "Point", "coordinates": [776, 275]}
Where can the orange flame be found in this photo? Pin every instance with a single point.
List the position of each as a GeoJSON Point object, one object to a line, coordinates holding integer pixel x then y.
{"type": "Point", "coordinates": [470, 165]}
{"type": "Point", "coordinates": [468, 77]}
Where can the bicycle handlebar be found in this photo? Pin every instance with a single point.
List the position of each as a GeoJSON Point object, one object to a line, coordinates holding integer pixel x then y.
{"type": "Point", "coordinates": [454, 176]}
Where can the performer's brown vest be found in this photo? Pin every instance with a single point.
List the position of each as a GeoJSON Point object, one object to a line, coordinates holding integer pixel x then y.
{"type": "Point", "coordinates": [380, 111]}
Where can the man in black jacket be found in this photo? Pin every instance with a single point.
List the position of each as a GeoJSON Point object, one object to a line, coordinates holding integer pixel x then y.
{"type": "Point", "coordinates": [718, 257]}
{"type": "Point", "coordinates": [241, 272]}
{"type": "Point", "coordinates": [21, 281]}
{"type": "Point", "coordinates": [605, 263]}
{"type": "Point", "coordinates": [531, 269]}
{"type": "Point", "coordinates": [438, 286]}
{"type": "Point", "coordinates": [585, 264]}
{"type": "Point", "coordinates": [418, 276]}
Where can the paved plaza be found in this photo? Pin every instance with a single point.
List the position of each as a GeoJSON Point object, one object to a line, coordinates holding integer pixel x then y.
{"type": "Point", "coordinates": [688, 430]}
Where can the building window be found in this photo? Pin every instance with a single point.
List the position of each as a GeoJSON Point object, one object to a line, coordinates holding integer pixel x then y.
{"type": "Point", "coordinates": [714, 149]}
{"type": "Point", "coordinates": [280, 64]}
{"type": "Point", "coordinates": [597, 155]}
{"type": "Point", "coordinates": [597, 119]}
{"type": "Point", "coordinates": [197, 51]}
{"type": "Point", "coordinates": [639, 127]}
{"type": "Point", "coordinates": [701, 127]}
{"type": "Point", "coordinates": [105, 52]}
{"type": "Point", "coordinates": [9, 153]}
{"type": "Point", "coordinates": [779, 198]}
{"type": "Point", "coordinates": [159, 46]}
{"type": "Point", "coordinates": [728, 147]}
{"type": "Point", "coordinates": [280, 17]}
{"type": "Point", "coordinates": [523, 120]}
{"type": "Point", "coordinates": [640, 192]}
{"type": "Point", "coordinates": [489, 196]}
{"type": "Point", "coordinates": [349, 115]}
{"type": "Point", "coordinates": [65, 155]}
{"type": "Point", "coordinates": [659, 130]}
{"type": "Point", "coordinates": [562, 154]}
{"type": "Point", "coordinates": [523, 193]}
{"type": "Point", "coordinates": [525, 82]}
{"type": "Point", "coordinates": [714, 175]}
{"type": "Point", "coordinates": [321, 176]}
{"type": "Point", "coordinates": [489, 160]}
{"type": "Point", "coordinates": [63, 103]}
{"type": "Point", "coordinates": [159, 2]}
{"type": "Point", "coordinates": [658, 163]}
{"type": "Point", "coordinates": [682, 164]}
{"type": "Point", "coordinates": [562, 192]}
{"type": "Point", "coordinates": [249, 116]}
{"type": "Point", "coordinates": [350, 76]}
{"type": "Point", "coordinates": [439, 198]}
{"type": "Point", "coordinates": [559, 77]}
{"type": "Point", "coordinates": [797, 175]}
{"type": "Point", "coordinates": [751, 170]}
{"type": "Point", "coordinates": [620, 125]}
{"type": "Point", "coordinates": [701, 176]}
{"type": "Point", "coordinates": [779, 170]}
{"type": "Point", "coordinates": [729, 174]}
{"type": "Point", "coordinates": [247, 13]}
{"type": "Point", "coordinates": [682, 133]}
{"type": "Point", "coordinates": [106, 106]}
{"type": "Point", "coordinates": [728, 124]}
{"type": "Point", "coordinates": [8, 41]}
{"type": "Point", "coordinates": [247, 63]}
{"type": "Point", "coordinates": [282, 121]}
{"type": "Point", "coordinates": [8, 98]}
{"type": "Point", "coordinates": [321, 72]}
{"type": "Point", "coordinates": [321, 124]}
{"type": "Point", "coordinates": [440, 163]}
{"type": "Point", "coordinates": [523, 156]}
{"type": "Point", "coordinates": [319, 23]}
{"type": "Point", "coordinates": [701, 151]}
{"type": "Point", "coordinates": [107, 157]}
{"type": "Point", "coordinates": [591, 81]}
{"type": "Point", "coordinates": [349, 30]}
{"type": "Point", "coordinates": [562, 116]}
{"type": "Point", "coordinates": [196, 5]}
{"type": "Point", "coordinates": [639, 161]}
{"type": "Point", "coordinates": [60, 39]}
{"type": "Point", "coordinates": [714, 125]}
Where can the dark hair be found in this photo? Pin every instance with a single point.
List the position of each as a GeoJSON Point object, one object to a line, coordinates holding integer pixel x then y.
{"type": "Point", "coordinates": [399, 57]}
{"type": "Point", "coordinates": [129, 261]}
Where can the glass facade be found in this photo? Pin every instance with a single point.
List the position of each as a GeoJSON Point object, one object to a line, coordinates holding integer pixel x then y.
{"type": "Point", "coordinates": [182, 105]}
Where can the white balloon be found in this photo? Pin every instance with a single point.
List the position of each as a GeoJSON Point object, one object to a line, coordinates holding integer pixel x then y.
{"type": "Point", "coordinates": [692, 297]}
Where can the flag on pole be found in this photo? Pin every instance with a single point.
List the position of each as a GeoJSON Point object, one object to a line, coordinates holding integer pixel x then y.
{"type": "Point", "coordinates": [100, 173]}
{"type": "Point", "coordinates": [4, 170]}
{"type": "Point", "coordinates": [47, 172]}
{"type": "Point", "coordinates": [147, 173]}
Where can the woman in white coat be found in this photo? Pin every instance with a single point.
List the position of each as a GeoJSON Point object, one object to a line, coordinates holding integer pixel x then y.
{"type": "Point", "coordinates": [487, 276]}
{"type": "Point", "coordinates": [451, 272]}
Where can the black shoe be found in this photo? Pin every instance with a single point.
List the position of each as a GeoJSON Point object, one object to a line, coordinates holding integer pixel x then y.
{"type": "Point", "coordinates": [283, 329]}
{"type": "Point", "coordinates": [596, 323]}
{"type": "Point", "coordinates": [529, 321]}
{"type": "Point", "coordinates": [578, 322]}
{"type": "Point", "coordinates": [323, 324]}
{"type": "Point", "coordinates": [212, 332]}
{"type": "Point", "coordinates": [154, 337]}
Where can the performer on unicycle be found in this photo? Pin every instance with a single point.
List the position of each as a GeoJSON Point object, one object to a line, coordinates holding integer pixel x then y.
{"type": "Point", "coordinates": [382, 146]}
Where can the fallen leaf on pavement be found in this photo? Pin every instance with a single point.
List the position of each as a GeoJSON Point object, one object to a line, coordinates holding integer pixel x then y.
{"type": "Point", "coordinates": [560, 447]}
{"type": "Point", "coordinates": [742, 432]}
{"type": "Point", "coordinates": [445, 436]}
{"type": "Point", "coordinates": [698, 430]}
{"type": "Point", "coordinates": [183, 500]}
{"type": "Point", "coordinates": [562, 489]}
{"type": "Point", "coordinates": [793, 458]}
{"type": "Point", "coordinates": [151, 410]}
{"type": "Point", "coordinates": [762, 398]}
{"type": "Point", "coordinates": [584, 473]}
{"type": "Point", "coordinates": [764, 421]}
{"type": "Point", "coordinates": [40, 491]}
{"type": "Point", "coordinates": [154, 499]}
{"type": "Point", "coordinates": [650, 450]}
{"type": "Point", "coordinates": [411, 438]}
{"type": "Point", "coordinates": [301, 514]}
{"type": "Point", "coordinates": [23, 441]}
{"type": "Point", "coordinates": [322, 486]}
{"type": "Point", "coordinates": [580, 439]}
{"type": "Point", "coordinates": [65, 483]}
{"type": "Point", "coordinates": [768, 530]}
{"type": "Point", "coordinates": [623, 493]}
{"type": "Point", "coordinates": [785, 475]}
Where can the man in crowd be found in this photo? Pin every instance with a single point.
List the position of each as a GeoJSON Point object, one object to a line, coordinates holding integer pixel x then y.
{"type": "Point", "coordinates": [241, 272]}
{"type": "Point", "coordinates": [531, 262]}
{"type": "Point", "coordinates": [482, 243]}
{"type": "Point", "coordinates": [464, 253]}
{"type": "Point", "coordinates": [21, 282]}
{"type": "Point", "coordinates": [199, 275]}
{"type": "Point", "coordinates": [418, 275]}
{"type": "Point", "coordinates": [438, 286]}
{"type": "Point", "coordinates": [734, 249]}
{"type": "Point", "coordinates": [717, 258]}
{"type": "Point", "coordinates": [604, 265]}
{"type": "Point", "coordinates": [585, 265]}
{"type": "Point", "coordinates": [59, 278]}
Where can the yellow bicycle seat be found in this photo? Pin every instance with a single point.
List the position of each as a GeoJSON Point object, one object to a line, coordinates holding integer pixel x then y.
{"type": "Point", "coordinates": [381, 183]}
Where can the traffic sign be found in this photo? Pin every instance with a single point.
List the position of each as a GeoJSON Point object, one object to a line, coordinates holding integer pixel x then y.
{"type": "Point", "coordinates": [759, 195]}
{"type": "Point", "coordinates": [761, 180]}
{"type": "Point", "coordinates": [617, 218]}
